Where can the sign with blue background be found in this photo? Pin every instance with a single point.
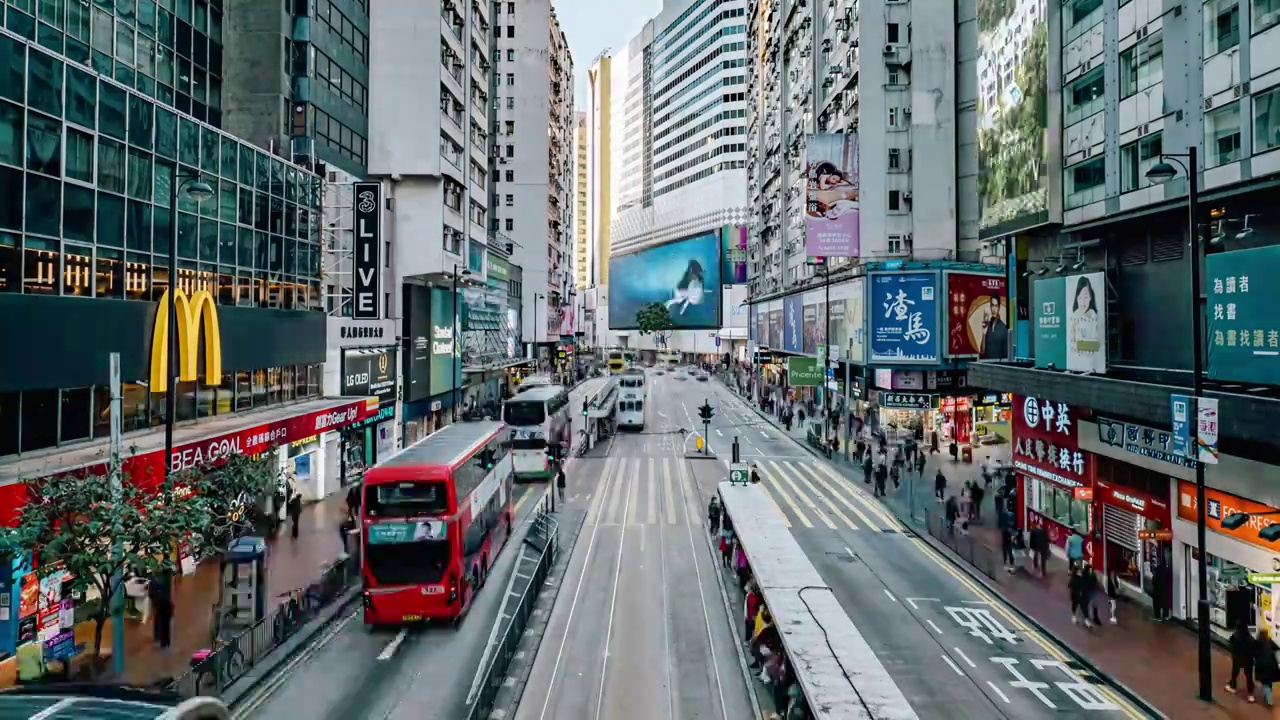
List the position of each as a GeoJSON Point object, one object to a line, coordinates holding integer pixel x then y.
{"type": "Point", "coordinates": [792, 323]}
{"type": "Point", "coordinates": [684, 275]}
{"type": "Point", "coordinates": [902, 311]}
{"type": "Point", "coordinates": [1244, 328]}
{"type": "Point", "coordinates": [1180, 409]}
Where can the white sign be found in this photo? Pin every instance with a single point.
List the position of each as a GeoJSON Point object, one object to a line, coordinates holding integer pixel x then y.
{"type": "Point", "coordinates": [1207, 430]}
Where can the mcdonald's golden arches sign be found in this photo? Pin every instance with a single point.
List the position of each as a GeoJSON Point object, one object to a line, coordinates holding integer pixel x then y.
{"type": "Point", "coordinates": [194, 312]}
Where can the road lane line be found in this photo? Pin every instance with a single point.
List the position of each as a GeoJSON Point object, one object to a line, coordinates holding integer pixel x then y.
{"type": "Point", "coordinates": [964, 657]}
{"type": "Point", "coordinates": [891, 597]}
{"type": "Point", "coordinates": [785, 520]}
{"type": "Point", "coordinates": [934, 625]}
{"type": "Point", "coordinates": [777, 472]}
{"type": "Point", "coordinates": [613, 605]}
{"type": "Point", "coordinates": [390, 650]}
{"type": "Point", "coordinates": [618, 488]}
{"type": "Point", "coordinates": [284, 674]}
{"type": "Point", "coordinates": [652, 516]}
{"type": "Point", "coordinates": [577, 592]}
{"type": "Point", "coordinates": [998, 691]}
{"type": "Point", "coordinates": [669, 495]}
{"type": "Point", "coordinates": [953, 665]}
{"type": "Point", "coordinates": [633, 497]}
{"type": "Point", "coordinates": [523, 499]}
{"type": "Point", "coordinates": [840, 495]}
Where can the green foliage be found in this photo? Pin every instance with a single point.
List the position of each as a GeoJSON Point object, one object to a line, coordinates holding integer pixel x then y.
{"type": "Point", "coordinates": [1012, 153]}
{"type": "Point", "coordinates": [992, 12]}
{"type": "Point", "coordinates": [654, 318]}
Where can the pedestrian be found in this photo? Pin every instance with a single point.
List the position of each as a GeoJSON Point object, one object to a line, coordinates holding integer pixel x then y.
{"type": "Point", "coordinates": [726, 547]}
{"type": "Point", "coordinates": [986, 471]}
{"type": "Point", "coordinates": [160, 592]}
{"type": "Point", "coordinates": [561, 481]}
{"type": "Point", "coordinates": [1075, 548]}
{"type": "Point", "coordinates": [1006, 547]}
{"type": "Point", "coordinates": [1040, 550]}
{"type": "Point", "coordinates": [1160, 580]}
{"type": "Point", "coordinates": [940, 485]}
{"type": "Point", "coordinates": [752, 608]}
{"type": "Point", "coordinates": [882, 473]}
{"type": "Point", "coordinates": [933, 443]}
{"type": "Point", "coordinates": [744, 571]}
{"type": "Point", "coordinates": [755, 474]}
{"type": "Point", "coordinates": [920, 463]}
{"type": "Point", "coordinates": [867, 467]}
{"type": "Point", "coordinates": [1075, 588]}
{"type": "Point", "coordinates": [1088, 594]}
{"type": "Point", "coordinates": [295, 512]}
{"type": "Point", "coordinates": [1113, 594]}
{"type": "Point", "coordinates": [952, 510]}
{"type": "Point", "coordinates": [977, 494]}
{"type": "Point", "coordinates": [1243, 654]}
{"type": "Point", "coordinates": [1266, 669]}
{"type": "Point", "coordinates": [353, 501]}
{"type": "Point", "coordinates": [713, 515]}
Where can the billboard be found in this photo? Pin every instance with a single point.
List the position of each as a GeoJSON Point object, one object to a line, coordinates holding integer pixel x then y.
{"type": "Point", "coordinates": [754, 336]}
{"type": "Point", "coordinates": [445, 360]}
{"type": "Point", "coordinates": [977, 316]}
{"type": "Point", "coordinates": [1243, 330]}
{"type": "Point", "coordinates": [684, 275]}
{"type": "Point", "coordinates": [194, 312]}
{"type": "Point", "coordinates": [848, 320]}
{"type": "Point", "coordinates": [792, 311]}
{"type": "Point", "coordinates": [904, 317]}
{"type": "Point", "coordinates": [366, 293]}
{"type": "Point", "coordinates": [814, 322]}
{"type": "Point", "coordinates": [733, 254]}
{"type": "Point", "coordinates": [1014, 177]}
{"type": "Point", "coordinates": [1070, 319]}
{"type": "Point", "coordinates": [831, 195]}
{"type": "Point", "coordinates": [775, 327]}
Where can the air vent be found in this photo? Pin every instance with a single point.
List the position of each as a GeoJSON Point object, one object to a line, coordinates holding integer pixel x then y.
{"type": "Point", "coordinates": [1166, 248]}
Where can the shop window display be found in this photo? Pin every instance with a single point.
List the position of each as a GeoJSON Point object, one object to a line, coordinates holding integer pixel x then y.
{"type": "Point", "coordinates": [1060, 505]}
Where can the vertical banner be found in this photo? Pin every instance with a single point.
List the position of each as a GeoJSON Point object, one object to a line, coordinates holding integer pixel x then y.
{"type": "Point", "coordinates": [1070, 318]}
{"type": "Point", "coordinates": [1180, 411]}
{"type": "Point", "coordinates": [366, 285]}
{"type": "Point", "coordinates": [856, 317]}
{"type": "Point", "coordinates": [793, 310]}
{"type": "Point", "coordinates": [1207, 430]}
{"type": "Point", "coordinates": [904, 317]}
{"type": "Point", "coordinates": [831, 196]}
{"type": "Point", "coordinates": [977, 316]}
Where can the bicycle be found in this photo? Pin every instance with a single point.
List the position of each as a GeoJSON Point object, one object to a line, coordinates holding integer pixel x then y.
{"type": "Point", "coordinates": [221, 665]}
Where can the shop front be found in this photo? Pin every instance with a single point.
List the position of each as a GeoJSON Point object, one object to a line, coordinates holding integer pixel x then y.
{"type": "Point", "coordinates": [433, 366]}
{"type": "Point", "coordinates": [369, 372]}
{"type": "Point", "coordinates": [991, 415]}
{"type": "Point", "coordinates": [1054, 476]}
{"type": "Point", "coordinates": [1232, 554]}
{"type": "Point", "coordinates": [1137, 531]}
{"type": "Point", "coordinates": [957, 418]}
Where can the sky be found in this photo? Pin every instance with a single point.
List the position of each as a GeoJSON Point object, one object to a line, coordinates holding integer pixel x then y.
{"type": "Point", "coordinates": [595, 25]}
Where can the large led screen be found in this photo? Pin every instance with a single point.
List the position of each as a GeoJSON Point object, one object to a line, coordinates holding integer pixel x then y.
{"type": "Point", "coordinates": [1013, 115]}
{"type": "Point", "coordinates": [683, 275]}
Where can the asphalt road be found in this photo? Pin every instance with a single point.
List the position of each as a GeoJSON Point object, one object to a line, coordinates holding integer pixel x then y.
{"type": "Point", "coordinates": [639, 629]}
{"type": "Point", "coordinates": [955, 650]}
{"type": "Point", "coordinates": [421, 673]}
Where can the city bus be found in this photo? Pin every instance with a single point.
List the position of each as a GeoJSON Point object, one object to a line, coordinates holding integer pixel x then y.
{"type": "Point", "coordinates": [617, 361]}
{"type": "Point", "coordinates": [631, 400]}
{"type": "Point", "coordinates": [535, 381]}
{"type": "Point", "coordinates": [433, 520]}
{"type": "Point", "coordinates": [539, 421]}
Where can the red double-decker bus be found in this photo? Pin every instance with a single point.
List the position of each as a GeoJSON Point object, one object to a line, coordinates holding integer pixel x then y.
{"type": "Point", "coordinates": [433, 520]}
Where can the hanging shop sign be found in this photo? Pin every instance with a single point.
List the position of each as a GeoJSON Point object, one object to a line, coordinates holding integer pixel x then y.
{"type": "Point", "coordinates": [1220, 505]}
{"type": "Point", "coordinates": [366, 284]}
{"type": "Point", "coordinates": [1141, 440]}
{"type": "Point", "coordinates": [1045, 442]}
{"type": "Point", "coordinates": [906, 401]}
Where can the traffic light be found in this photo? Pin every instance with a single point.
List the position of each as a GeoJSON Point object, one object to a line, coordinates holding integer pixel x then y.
{"type": "Point", "coordinates": [706, 412]}
{"type": "Point", "coordinates": [585, 406]}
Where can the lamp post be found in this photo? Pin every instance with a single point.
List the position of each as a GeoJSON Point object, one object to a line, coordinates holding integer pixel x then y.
{"type": "Point", "coordinates": [459, 271]}
{"type": "Point", "coordinates": [1163, 172]}
{"type": "Point", "coordinates": [198, 191]}
{"type": "Point", "coordinates": [534, 340]}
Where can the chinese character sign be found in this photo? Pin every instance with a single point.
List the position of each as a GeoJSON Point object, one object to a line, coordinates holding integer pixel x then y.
{"type": "Point", "coordinates": [1207, 430]}
{"type": "Point", "coordinates": [1069, 315]}
{"type": "Point", "coordinates": [903, 317]}
{"type": "Point", "coordinates": [1243, 327]}
{"type": "Point", "coordinates": [1045, 444]}
{"type": "Point", "coordinates": [977, 316]}
{"type": "Point", "coordinates": [831, 195]}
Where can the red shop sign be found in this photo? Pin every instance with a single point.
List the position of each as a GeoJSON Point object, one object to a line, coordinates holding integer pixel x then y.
{"type": "Point", "coordinates": [147, 469]}
{"type": "Point", "coordinates": [1045, 444]}
{"type": "Point", "coordinates": [1133, 501]}
{"type": "Point", "coordinates": [955, 404]}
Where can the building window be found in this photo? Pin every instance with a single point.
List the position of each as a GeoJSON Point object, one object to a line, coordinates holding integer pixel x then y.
{"type": "Point", "coordinates": [509, 126]}
{"type": "Point", "coordinates": [1266, 120]}
{"type": "Point", "coordinates": [39, 419]}
{"type": "Point", "coordinates": [1078, 17]}
{"type": "Point", "coordinates": [1266, 14]}
{"type": "Point", "coordinates": [75, 414]}
{"type": "Point", "coordinates": [895, 200]}
{"type": "Point", "coordinates": [893, 117]}
{"type": "Point", "coordinates": [891, 30]}
{"type": "Point", "coordinates": [895, 158]}
{"type": "Point", "coordinates": [511, 103]}
{"type": "Point", "coordinates": [1084, 97]}
{"type": "Point", "coordinates": [510, 225]}
{"type": "Point", "coordinates": [509, 200]}
{"type": "Point", "coordinates": [511, 151]}
{"type": "Point", "coordinates": [511, 55]}
{"type": "Point", "coordinates": [510, 176]}
{"type": "Point", "coordinates": [1136, 159]}
{"type": "Point", "coordinates": [1222, 135]}
{"type": "Point", "coordinates": [1141, 66]}
{"type": "Point", "coordinates": [1221, 26]}
{"type": "Point", "coordinates": [1059, 504]}
{"type": "Point", "coordinates": [1085, 183]}
{"type": "Point", "coordinates": [511, 31]}
{"type": "Point", "coordinates": [511, 78]}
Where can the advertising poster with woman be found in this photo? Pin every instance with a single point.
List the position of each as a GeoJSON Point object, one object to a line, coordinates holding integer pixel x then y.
{"type": "Point", "coordinates": [977, 316]}
{"type": "Point", "coordinates": [831, 195]}
{"type": "Point", "coordinates": [683, 275]}
{"type": "Point", "coordinates": [1069, 315]}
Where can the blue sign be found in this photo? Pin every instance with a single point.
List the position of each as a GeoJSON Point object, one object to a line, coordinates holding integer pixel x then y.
{"type": "Point", "coordinates": [793, 323]}
{"type": "Point", "coordinates": [1180, 408]}
{"type": "Point", "coordinates": [903, 312]}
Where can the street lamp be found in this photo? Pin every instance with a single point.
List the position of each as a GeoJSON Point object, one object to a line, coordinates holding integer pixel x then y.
{"type": "Point", "coordinates": [459, 271]}
{"type": "Point", "coordinates": [534, 340]}
{"type": "Point", "coordinates": [1163, 172]}
{"type": "Point", "coordinates": [198, 191]}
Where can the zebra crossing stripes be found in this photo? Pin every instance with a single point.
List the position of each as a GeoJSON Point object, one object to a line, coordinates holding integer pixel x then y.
{"type": "Point", "coordinates": [814, 496]}
{"type": "Point", "coordinates": [646, 491]}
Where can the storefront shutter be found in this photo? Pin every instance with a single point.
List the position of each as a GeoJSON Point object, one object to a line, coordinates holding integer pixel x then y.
{"type": "Point", "coordinates": [1121, 527]}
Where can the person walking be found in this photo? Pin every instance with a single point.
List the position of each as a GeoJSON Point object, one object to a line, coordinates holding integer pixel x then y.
{"type": "Point", "coordinates": [882, 473]}
{"type": "Point", "coordinates": [726, 546]}
{"type": "Point", "coordinates": [1113, 594]}
{"type": "Point", "coordinates": [1040, 550]}
{"type": "Point", "coordinates": [160, 593]}
{"type": "Point", "coordinates": [1088, 594]}
{"type": "Point", "coordinates": [919, 463]}
{"type": "Point", "coordinates": [752, 608]}
{"type": "Point", "coordinates": [940, 485]}
{"type": "Point", "coordinates": [977, 494]}
{"type": "Point", "coordinates": [867, 467]}
{"type": "Point", "coordinates": [713, 515]}
{"type": "Point", "coordinates": [295, 512]}
{"type": "Point", "coordinates": [1075, 588]}
{"type": "Point", "coordinates": [1243, 654]}
{"type": "Point", "coordinates": [1075, 548]}
{"type": "Point", "coordinates": [561, 481]}
{"type": "Point", "coordinates": [1266, 669]}
{"type": "Point", "coordinates": [952, 509]}
{"type": "Point", "coordinates": [1006, 547]}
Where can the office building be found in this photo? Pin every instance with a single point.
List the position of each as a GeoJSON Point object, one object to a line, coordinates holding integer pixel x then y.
{"type": "Point", "coordinates": [581, 270]}
{"type": "Point", "coordinates": [599, 167]}
{"type": "Point", "coordinates": [534, 147]}
{"type": "Point", "coordinates": [106, 120]}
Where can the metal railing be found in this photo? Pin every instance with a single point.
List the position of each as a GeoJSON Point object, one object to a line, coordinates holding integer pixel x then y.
{"type": "Point", "coordinates": [968, 547]}
{"type": "Point", "coordinates": [231, 659]}
{"type": "Point", "coordinates": [543, 538]}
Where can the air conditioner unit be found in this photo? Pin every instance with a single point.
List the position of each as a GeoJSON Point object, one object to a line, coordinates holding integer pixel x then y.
{"type": "Point", "coordinates": [890, 50]}
{"type": "Point", "coordinates": [906, 197]}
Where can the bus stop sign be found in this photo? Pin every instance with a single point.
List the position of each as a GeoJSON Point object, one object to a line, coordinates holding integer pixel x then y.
{"type": "Point", "coordinates": [739, 474]}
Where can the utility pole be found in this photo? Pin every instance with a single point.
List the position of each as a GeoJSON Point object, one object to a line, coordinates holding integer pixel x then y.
{"type": "Point", "coordinates": [117, 488]}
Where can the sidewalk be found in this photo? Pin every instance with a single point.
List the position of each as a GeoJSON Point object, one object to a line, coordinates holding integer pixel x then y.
{"type": "Point", "coordinates": [1157, 661]}
{"type": "Point", "coordinates": [291, 564]}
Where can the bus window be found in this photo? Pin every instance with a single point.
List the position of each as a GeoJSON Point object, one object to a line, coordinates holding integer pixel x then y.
{"type": "Point", "coordinates": [524, 414]}
{"type": "Point", "coordinates": [408, 563]}
{"type": "Point", "coordinates": [406, 498]}
{"type": "Point", "coordinates": [638, 405]}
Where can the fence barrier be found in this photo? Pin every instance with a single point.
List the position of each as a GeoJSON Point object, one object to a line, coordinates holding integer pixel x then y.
{"type": "Point", "coordinates": [232, 659]}
{"type": "Point", "coordinates": [969, 548]}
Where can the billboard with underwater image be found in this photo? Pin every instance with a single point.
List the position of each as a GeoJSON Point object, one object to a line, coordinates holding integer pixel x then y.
{"type": "Point", "coordinates": [684, 275]}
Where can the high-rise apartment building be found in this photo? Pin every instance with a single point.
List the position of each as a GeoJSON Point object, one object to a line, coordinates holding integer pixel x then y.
{"type": "Point", "coordinates": [599, 167]}
{"type": "Point", "coordinates": [581, 238]}
{"type": "Point", "coordinates": [534, 147]}
{"type": "Point", "coordinates": [814, 68]}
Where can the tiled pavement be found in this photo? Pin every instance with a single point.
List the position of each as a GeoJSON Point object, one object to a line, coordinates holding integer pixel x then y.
{"type": "Point", "coordinates": [1157, 661]}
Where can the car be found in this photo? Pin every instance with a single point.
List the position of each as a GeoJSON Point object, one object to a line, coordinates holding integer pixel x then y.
{"type": "Point", "coordinates": [702, 377]}
{"type": "Point", "coordinates": [659, 372]}
{"type": "Point", "coordinates": [681, 375]}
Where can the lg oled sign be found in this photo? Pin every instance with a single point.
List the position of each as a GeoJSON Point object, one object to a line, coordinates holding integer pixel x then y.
{"type": "Point", "coordinates": [366, 265]}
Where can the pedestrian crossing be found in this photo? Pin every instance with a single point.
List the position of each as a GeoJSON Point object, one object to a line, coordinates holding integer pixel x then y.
{"type": "Point", "coordinates": [811, 495]}
{"type": "Point", "coordinates": [646, 491]}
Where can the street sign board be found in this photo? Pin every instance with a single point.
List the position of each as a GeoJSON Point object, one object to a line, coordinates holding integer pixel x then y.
{"type": "Point", "coordinates": [739, 474]}
{"type": "Point", "coordinates": [1270, 578]}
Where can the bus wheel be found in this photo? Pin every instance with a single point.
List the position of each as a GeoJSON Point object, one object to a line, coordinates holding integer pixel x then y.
{"type": "Point", "coordinates": [484, 570]}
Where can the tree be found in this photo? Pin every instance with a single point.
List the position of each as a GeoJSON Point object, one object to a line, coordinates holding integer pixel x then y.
{"type": "Point", "coordinates": [654, 318]}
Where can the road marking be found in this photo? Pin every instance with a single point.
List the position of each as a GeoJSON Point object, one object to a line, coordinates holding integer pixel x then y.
{"type": "Point", "coordinates": [613, 604]}
{"type": "Point", "coordinates": [633, 498]}
{"type": "Point", "coordinates": [832, 492]}
{"type": "Point", "coordinates": [964, 657]}
{"type": "Point", "coordinates": [891, 597]}
{"type": "Point", "coordinates": [934, 625]}
{"type": "Point", "coordinates": [652, 516]}
{"type": "Point", "coordinates": [618, 488]}
{"type": "Point", "coordinates": [394, 645]}
{"type": "Point", "coordinates": [669, 493]}
{"type": "Point", "coordinates": [953, 665]}
{"type": "Point", "coordinates": [719, 433]}
{"type": "Point", "coordinates": [975, 602]}
{"type": "Point", "coordinates": [998, 691]}
{"type": "Point", "coordinates": [284, 674]}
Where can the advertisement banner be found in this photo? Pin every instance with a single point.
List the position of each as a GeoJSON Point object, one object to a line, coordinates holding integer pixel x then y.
{"type": "Point", "coordinates": [1243, 326]}
{"type": "Point", "coordinates": [904, 322]}
{"type": "Point", "coordinates": [1014, 167]}
{"type": "Point", "coordinates": [1180, 410]}
{"type": "Point", "coordinates": [370, 373]}
{"type": "Point", "coordinates": [814, 327]}
{"type": "Point", "coordinates": [1219, 505]}
{"type": "Point", "coordinates": [1070, 319]}
{"type": "Point", "coordinates": [733, 254]}
{"type": "Point", "coordinates": [792, 309]}
{"type": "Point", "coordinates": [1045, 444]}
{"type": "Point", "coordinates": [775, 329]}
{"type": "Point", "coordinates": [754, 336]}
{"type": "Point", "coordinates": [366, 293]}
{"type": "Point", "coordinates": [684, 275]}
{"type": "Point", "coordinates": [445, 361]}
{"type": "Point", "coordinates": [977, 316]}
{"type": "Point", "coordinates": [856, 318]}
{"type": "Point", "coordinates": [1207, 433]}
{"type": "Point", "coordinates": [804, 372]}
{"type": "Point", "coordinates": [499, 268]}
{"type": "Point", "coordinates": [831, 195]}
